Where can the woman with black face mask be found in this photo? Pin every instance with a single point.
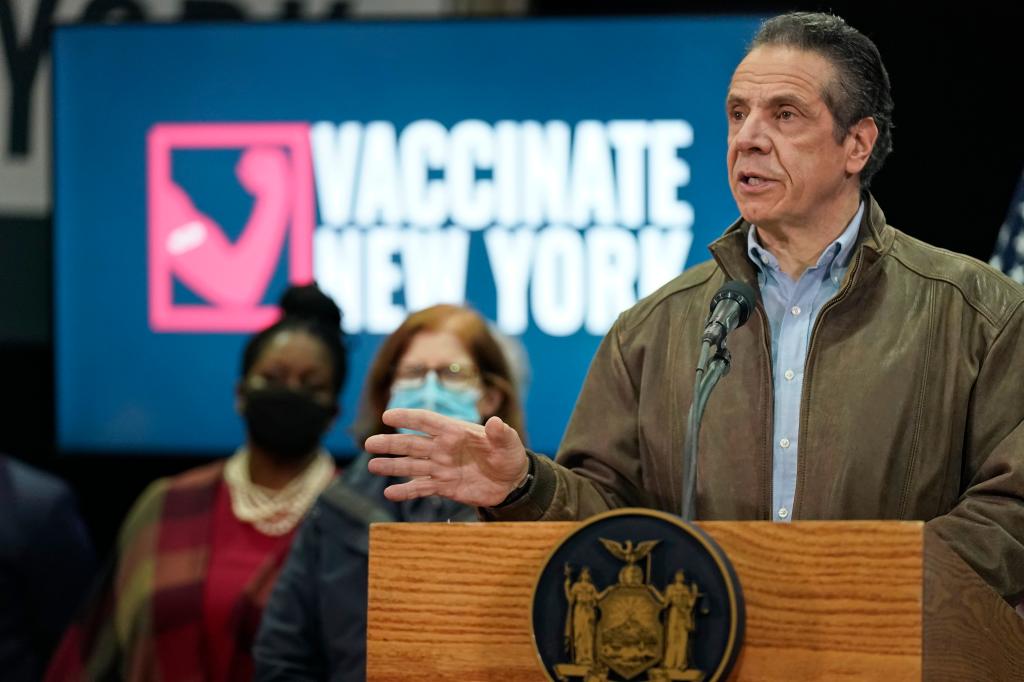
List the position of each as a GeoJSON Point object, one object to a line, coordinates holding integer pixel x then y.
{"type": "Point", "coordinates": [444, 359]}
{"type": "Point", "coordinates": [199, 552]}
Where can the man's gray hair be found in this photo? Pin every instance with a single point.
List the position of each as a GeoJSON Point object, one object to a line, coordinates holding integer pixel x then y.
{"type": "Point", "coordinates": [861, 86]}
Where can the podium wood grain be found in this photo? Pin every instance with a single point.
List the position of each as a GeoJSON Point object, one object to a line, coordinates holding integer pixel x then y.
{"type": "Point", "coordinates": [825, 600]}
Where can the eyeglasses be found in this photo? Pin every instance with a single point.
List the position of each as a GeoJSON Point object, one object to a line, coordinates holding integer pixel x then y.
{"type": "Point", "coordinates": [453, 375]}
{"type": "Point", "coordinates": [316, 390]}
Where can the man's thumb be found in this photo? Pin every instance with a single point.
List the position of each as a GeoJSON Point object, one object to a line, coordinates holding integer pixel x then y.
{"type": "Point", "coordinates": [500, 434]}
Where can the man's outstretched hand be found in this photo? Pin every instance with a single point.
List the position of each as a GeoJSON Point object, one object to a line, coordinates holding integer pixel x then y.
{"type": "Point", "coordinates": [472, 464]}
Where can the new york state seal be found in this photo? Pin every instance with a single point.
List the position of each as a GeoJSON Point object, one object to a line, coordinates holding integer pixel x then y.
{"type": "Point", "coordinates": [635, 594]}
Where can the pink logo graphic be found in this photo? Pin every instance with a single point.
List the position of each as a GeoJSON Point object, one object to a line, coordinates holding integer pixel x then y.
{"type": "Point", "coordinates": [188, 246]}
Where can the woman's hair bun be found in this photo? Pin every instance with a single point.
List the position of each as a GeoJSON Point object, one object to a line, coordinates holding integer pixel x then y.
{"type": "Point", "coordinates": [308, 302]}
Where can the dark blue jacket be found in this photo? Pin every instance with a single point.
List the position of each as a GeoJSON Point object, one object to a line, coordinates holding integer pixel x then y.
{"type": "Point", "coordinates": [46, 565]}
{"type": "Point", "coordinates": [314, 627]}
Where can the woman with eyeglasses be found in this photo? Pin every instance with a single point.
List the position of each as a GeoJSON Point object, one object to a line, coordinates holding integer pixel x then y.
{"type": "Point", "coordinates": [443, 359]}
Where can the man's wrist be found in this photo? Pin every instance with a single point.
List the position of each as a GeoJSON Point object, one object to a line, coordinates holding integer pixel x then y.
{"type": "Point", "coordinates": [523, 486]}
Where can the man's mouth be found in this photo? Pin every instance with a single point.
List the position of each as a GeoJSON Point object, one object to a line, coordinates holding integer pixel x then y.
{"type": "Point", "coordinates": [752, 179]}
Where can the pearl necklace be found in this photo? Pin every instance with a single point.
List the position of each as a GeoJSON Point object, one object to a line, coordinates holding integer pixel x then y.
{"type": "Point", "coordinates": [275, 512]}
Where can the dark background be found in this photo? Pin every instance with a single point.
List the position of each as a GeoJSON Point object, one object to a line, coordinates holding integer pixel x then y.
{"type": "Point", "coordinates": [958, 155]}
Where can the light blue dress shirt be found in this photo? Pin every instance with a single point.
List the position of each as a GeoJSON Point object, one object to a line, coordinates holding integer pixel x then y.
{"type": "Point", "coordinates": [792, 306]}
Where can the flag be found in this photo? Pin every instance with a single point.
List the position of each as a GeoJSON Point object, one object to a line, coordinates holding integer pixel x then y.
{"type": "Point", "coordinates": [1009, 252]}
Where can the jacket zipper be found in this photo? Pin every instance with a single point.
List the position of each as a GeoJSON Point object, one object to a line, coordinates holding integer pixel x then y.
{"type": "Point", "coordinates": [836, 300]}
{"type": "Point", "coordinates": [767, 348]}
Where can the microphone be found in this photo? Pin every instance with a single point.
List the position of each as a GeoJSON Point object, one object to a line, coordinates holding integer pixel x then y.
{"type": "Point", "coordinates": [730, 309]}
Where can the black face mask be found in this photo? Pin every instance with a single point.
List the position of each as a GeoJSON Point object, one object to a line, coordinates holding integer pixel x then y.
{"type": "Point", "coordinates": [284, 422]}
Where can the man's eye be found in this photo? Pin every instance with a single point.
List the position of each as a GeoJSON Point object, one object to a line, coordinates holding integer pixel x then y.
{"type": "Point", "coordinates": [787, 115]}
{"type": "Point", "coordinates": [736, 115]}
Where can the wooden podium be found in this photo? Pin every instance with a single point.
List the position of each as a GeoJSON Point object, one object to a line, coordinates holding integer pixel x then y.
{"type": "Point", "coordinates": [825, 600]}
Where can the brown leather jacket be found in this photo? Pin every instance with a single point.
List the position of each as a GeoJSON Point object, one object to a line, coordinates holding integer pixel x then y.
{"type": "Point", "coordinates": [912, 406]}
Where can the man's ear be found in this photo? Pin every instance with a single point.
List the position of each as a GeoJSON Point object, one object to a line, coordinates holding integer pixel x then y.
{"type": "Point", "coordinates": [860, 142]}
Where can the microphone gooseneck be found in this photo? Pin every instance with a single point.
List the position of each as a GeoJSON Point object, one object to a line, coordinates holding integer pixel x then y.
{"type": "Point", "coordinates": [730, 309]}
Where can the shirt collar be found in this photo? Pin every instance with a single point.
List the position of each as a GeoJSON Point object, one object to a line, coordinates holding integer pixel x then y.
{"type": "Point", "coordinates": [835, 258]}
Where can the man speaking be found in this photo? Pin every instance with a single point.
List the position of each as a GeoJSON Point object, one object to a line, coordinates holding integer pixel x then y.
{"type": "Point", "coordinates": [877, 378]}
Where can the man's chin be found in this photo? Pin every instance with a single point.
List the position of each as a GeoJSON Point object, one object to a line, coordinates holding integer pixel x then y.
{"type": "Point", "coordinates": [755, 215]}
{"type": "Point", "coordinates": [757, 211]}
{"type": "Point", "coordinates": [749, 207]}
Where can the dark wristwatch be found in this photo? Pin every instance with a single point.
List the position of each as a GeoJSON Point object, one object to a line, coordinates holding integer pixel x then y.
{"type": "Point", "coordinates": [522, 488]}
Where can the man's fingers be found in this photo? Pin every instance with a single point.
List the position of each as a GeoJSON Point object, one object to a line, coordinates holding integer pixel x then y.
{"type": "Point", "coordinates": [400, 466]}
{"type": "Point", "coordinates": [428, 422]}
{"type": "Point", "coordinates": [400, 444]}
{"type": "Point", "coordinates": [410, 490]}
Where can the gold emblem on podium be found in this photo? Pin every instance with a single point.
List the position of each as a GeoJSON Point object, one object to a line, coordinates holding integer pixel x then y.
{"type": "Point", "coordinates": [637, 596]}
{"type": "Point", "coordinates": [621, 628]}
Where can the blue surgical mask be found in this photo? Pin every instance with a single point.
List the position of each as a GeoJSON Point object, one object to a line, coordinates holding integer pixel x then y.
{"type": "Point", "coordinates": [458, 403]}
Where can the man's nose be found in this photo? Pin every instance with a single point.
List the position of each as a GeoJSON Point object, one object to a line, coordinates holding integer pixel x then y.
{"type": "Point", "coordinates": [752, 135]}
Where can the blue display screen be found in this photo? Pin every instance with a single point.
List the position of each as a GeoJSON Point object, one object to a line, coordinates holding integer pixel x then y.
{"type": "Point", "coordinates": [548, 173]}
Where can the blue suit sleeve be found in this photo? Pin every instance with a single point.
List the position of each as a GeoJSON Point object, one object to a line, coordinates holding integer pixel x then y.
{"type": "Point", "coordinates": [59, 566]}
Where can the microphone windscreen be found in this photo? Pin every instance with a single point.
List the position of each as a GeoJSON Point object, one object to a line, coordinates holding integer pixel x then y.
{"type": "Point", "coordinates": [740, 292]}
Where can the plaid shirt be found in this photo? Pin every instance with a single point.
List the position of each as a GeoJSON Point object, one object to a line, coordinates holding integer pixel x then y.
{"type": "Point", "coordinates": [144, 621]}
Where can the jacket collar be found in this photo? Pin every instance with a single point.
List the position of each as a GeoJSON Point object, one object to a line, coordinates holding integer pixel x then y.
{"type": "Point", "coordinates": [874, 240]}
